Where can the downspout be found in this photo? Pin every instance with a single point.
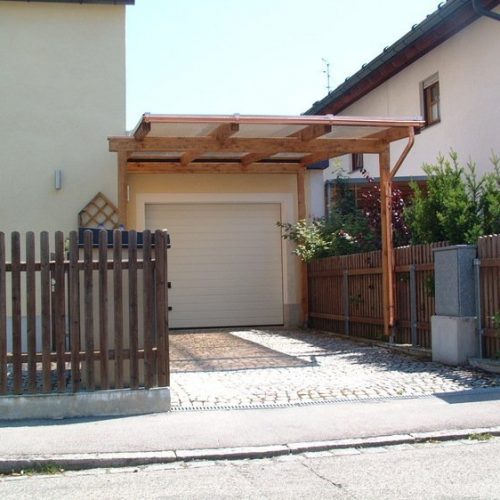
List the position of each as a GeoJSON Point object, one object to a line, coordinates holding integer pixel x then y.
{"type": "Point", "coordinates": [482, 11]}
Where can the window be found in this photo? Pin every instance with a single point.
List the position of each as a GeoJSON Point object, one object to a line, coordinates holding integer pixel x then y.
{"type": "Point", "coordinates": [357, 161]}
{"type": "Point", "coordinates": [430, 101]}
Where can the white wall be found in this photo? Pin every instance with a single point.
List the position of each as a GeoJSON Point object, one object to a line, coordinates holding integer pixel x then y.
{"type": "Point", "coordinates": [62, 92]}
{"type": "Point", "coordinates": [469, 82]}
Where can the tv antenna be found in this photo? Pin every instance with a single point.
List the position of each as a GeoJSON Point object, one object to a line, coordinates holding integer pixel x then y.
{"type": "Point", "coordinates": [326, 71]}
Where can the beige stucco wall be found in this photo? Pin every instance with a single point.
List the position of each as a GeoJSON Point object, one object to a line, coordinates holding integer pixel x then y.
{"type": "Point", "coordinates": [62, 92]}
{"type": "Point", "coordinates": [469, 81]}
{"type": "Point", "coordinates": [265, 188]}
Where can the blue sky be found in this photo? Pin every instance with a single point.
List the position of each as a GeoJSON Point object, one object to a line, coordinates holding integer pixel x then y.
{"type": "Point", "coordinates": [253, 56]}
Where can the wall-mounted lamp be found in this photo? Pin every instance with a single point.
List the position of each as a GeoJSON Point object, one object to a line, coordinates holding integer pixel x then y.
{"type": "Point", "coordinates": [58, 179]}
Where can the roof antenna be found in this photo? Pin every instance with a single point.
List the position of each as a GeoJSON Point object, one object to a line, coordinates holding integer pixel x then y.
{"type": "Point", "coordinates": [326, 71]}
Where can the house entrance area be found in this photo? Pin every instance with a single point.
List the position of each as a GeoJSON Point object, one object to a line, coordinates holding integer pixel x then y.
{"type": "Point", "coordinates": [225, 266]}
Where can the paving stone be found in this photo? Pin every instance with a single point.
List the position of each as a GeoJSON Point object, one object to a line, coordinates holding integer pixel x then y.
{"type": "Point", "coordinates": [276, 367]}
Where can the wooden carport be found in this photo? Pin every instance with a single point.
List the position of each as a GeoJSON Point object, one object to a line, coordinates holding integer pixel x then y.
{"type": "Point", "coordinates": [271, 145]}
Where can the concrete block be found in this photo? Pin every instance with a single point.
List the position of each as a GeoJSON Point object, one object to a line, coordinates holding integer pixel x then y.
{"type": "Point", "coordinates": [117, 402]}
{"type": "Point", "coordinates": [454, 339]}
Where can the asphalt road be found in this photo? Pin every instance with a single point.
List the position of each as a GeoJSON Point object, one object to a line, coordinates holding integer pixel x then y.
{"type": "Point", "coordinates": [454, 470]}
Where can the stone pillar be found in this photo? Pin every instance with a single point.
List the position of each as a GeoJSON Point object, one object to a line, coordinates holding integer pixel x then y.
{"type": "Point", "coordinates": [453, 328]}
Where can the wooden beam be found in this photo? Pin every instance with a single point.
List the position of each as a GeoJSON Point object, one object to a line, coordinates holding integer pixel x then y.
{"type": "Point", "coordinates": [189, 156]}
{"type": "Point", "coordinates": [122, 187]}
{"type": "Point", "coordinates": [224, 131]}
{"type": "Point", "coordinates": [388, 279]}
{"type": "Point", "coordinates": [312, 132]}
{"type": "Point", "coordinates": [253, 158]}
{"type": "Point", "coordinates": [302, 214]}
{"type": "Point", "coordinates": [314, 158]}
{"type": "Point", "coordinates": [391, 134]}
{"type": "Point", "coordinates": [268, 146]}
{"type": "Point", "coordinates": [212, 168]}
{"type": "Point", "coordinates": [142, 130]}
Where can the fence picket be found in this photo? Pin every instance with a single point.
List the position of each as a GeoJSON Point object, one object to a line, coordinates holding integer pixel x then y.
{"type": "Point", "coordinates": [16, 312]}
{"type": "Point", "coordinates": [103, 308]}
{"type": "Point", "coordinates": [148, 310]}
{"type": "Point", "coordinates": [45, 292]}
{"type": "Point", "coordinates": [60, 311]}
{"type": "Point", "coordinates": [133, 309]}
{"type": "Point", "coordinates": [74, 310]}
{"type": "Point", "coordinates": [89, 310]}
{"type": "Point", "coordinates": [118, 307]}
{"type": "Point", "coordinates": [31, 310]}
{"type": "Point", "coordinates": [161, 302]}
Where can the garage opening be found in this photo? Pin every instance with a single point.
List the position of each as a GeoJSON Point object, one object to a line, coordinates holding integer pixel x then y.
{"type": "Point", "coordinates": [225, 263]}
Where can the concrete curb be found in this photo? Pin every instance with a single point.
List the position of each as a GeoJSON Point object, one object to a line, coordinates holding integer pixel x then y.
{"type": "Point", "coordinates": [134, 459]}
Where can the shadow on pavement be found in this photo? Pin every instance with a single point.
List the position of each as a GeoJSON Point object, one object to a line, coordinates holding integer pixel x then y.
{"type": "Point", "coordinates": [222, 351]}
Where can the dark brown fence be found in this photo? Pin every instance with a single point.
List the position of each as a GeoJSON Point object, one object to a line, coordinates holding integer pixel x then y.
{"type": "Point", "coordinates": [489, 256]}
{"type": "Point", "coordinates": [84, 316]}
{"type": "Point", "coordinates": [345, 294]}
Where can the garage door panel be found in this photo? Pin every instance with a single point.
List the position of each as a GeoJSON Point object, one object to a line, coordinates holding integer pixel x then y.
{"type": "Point", "coordinates": [225, 263]}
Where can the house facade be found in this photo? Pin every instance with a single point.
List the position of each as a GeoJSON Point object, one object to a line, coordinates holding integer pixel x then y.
{"type": "Point", "coordinates": [445, 70]}
{"type": "Point", "coordinates": [62, 92]}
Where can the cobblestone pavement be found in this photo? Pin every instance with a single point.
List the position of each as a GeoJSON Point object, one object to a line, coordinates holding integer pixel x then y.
{"type": "Point", "coordinates": [255, 367]}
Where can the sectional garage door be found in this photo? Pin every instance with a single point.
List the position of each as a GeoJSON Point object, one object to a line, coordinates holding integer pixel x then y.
{"type": "Point", "coordinates": [225, 263]}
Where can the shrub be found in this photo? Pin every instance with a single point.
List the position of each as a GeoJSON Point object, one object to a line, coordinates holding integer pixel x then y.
{"type": "Point", "coordinates": [457, 206]}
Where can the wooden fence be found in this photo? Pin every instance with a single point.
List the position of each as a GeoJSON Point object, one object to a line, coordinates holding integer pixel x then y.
{"type": "Point", "coordinates": [488, 249]}
{"type": "Point", "coordinates": [75, 319]}
{"type": "Point", "coordinates": [345, 294]}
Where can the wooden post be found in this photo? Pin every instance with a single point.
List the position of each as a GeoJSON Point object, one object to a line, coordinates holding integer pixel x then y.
{"type": "Point", "coordinates": [302, 214]}
{"type": "Point", "coordinates": [122, 187]}
{"type": "Point", "coordinates": [387, 247]}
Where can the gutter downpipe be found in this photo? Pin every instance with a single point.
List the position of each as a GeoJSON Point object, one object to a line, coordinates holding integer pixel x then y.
{"type": "Point", "coordinates": [481, 11]}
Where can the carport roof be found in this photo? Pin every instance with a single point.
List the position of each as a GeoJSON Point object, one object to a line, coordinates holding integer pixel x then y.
{"type": "Point", "coordinates": [167, 143]}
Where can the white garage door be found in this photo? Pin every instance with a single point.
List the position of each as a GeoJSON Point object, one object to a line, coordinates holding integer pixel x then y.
{"type": "Point", "coordinates": [225, 263]}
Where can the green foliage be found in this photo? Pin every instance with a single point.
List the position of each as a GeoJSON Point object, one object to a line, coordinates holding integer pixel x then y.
{"type": "Point", "coordinates": [496, 320]}
{"type": "Point", "coordinates": [345, 231]}
{"type": "Point", "coordinates": [457, 207]}
{"type": "Point", "coordinates": [482, 436]}
{"type": "Point", "coordinates": [490, 201]}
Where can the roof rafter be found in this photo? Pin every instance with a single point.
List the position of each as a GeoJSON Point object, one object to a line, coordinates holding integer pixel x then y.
{"type": "Point", "coordinates": [224, 131]}
{"type": "Point", "coordinates": [312, 132]}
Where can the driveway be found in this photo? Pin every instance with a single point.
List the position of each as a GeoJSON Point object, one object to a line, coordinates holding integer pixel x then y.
{"type": "Point", "coordinates": [261, 367]}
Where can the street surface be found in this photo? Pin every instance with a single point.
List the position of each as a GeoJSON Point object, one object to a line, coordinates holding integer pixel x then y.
{"type": "Point", "coordinates": [454, 470]}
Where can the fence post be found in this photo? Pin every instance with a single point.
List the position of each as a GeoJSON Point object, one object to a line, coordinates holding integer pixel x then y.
{"type": "Point", "coordinates": [345, 287]}
{"type": "Point", "coordinates": [477, 293]}
{"type": "Point", "coordinates": [413, 305]}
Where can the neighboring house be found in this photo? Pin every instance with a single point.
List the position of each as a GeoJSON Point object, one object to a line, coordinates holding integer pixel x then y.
{"type": "Point", "coordinates": [446, 70]}
{"type": "Point", "coordinates": [62, 92]}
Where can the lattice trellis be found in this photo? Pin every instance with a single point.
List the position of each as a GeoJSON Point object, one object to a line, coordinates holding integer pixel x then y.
{"type": "Point", "coordinates": [99, 212]}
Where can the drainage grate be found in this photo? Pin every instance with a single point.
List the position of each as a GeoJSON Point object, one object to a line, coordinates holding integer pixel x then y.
{"type": "Point", "coordinates": [270, 406]}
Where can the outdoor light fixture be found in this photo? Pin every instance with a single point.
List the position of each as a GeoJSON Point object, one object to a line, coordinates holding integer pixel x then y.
{"type": "Point", "coordinates": [58, 179]}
